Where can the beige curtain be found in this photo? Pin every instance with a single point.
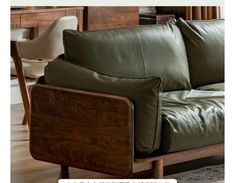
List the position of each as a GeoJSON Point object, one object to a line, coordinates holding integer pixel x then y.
{"type": "Point", "coordinates": [203, 12]}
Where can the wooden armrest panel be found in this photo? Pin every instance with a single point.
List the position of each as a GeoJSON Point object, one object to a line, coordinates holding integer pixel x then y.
{"type": "Point", "coordinates": [82, 129]}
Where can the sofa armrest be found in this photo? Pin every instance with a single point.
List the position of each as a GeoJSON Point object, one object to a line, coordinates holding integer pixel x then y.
{"type": "Point", "coordinates": [82, 129]}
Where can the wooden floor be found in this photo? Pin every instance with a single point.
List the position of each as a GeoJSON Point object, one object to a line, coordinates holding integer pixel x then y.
{"type": "Point", "coordinates": [24, 169]}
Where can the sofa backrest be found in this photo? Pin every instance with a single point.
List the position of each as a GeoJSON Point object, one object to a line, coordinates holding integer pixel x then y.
{"type": "Point", "coordinates": [204, 41]}
{"type": "Point", "coordinates": [137, 52]}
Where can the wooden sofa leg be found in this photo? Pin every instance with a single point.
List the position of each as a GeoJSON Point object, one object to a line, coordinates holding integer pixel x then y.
{"type": "Point", "coordinates": [64, 173]}
{"type": "Point", "coordinates": [158, 169]}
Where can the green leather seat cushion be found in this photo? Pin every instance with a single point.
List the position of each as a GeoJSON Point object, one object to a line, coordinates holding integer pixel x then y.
{"type": "Point", "coordinates": [143, 92]}
{"type": "Point", "coordinates": [204, 41]}
{"type": "Point", "coordinates": [136, 52]}
{"type": "Point", "coordinates": [212, 87]}
{"type": "Point", "coordinates": [189, 124]}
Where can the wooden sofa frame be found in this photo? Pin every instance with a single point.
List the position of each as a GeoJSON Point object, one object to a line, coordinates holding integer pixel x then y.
{"type": "Point", "coordinates": [93, 131]}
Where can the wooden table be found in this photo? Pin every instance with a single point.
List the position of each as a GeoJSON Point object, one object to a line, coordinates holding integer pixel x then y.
{"type": "Point", "coordinates": [99, 18]}
{"type": "Point", "coordinates": [33, 19]}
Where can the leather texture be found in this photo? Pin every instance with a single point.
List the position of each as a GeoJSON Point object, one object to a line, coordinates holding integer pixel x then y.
{"type": "Point", "coordinates": [189, 124]}
{"type": "Point", "coordinates": [137, 52]}
{"type": "Point", "coordinates": [212, 87]}
{"type": "Point", "coordinates": [145, 94]}
{"type": "Point", "coordinates": [204, 42]}
{"type": "Point", "coordinates": [112, 61]}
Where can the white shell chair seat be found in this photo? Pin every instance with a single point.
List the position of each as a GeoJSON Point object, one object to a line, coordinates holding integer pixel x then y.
{"type": "Point", "coordinates": [36, 53]}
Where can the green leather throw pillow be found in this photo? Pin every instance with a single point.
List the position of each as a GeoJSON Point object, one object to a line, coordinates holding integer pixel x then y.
{"type": "Point", "coordinates": [133, 52]}
{"type": "Point", "coordinates": [204, 42]}
{"type": "Point", "coordinates": [143, 92]}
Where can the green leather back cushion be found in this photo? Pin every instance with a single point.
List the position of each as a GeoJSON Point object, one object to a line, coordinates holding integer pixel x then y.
{"type": "Point", "coordinates": [204, 42]}
{"type": "Point", "coordinates": [144, 51]}
{"type": "Point", "coordinates": [143, 92]}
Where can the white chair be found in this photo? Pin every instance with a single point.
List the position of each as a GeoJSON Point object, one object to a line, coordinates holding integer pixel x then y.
{"type": "Point", "coordinates": [30, 57]}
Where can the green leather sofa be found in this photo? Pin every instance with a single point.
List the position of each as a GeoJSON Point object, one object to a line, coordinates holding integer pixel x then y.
{"type": "Point", "coordinates": [154, 67]}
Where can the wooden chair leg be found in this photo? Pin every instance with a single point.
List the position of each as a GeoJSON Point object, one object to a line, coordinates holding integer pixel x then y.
{"type": "Point", "coordinates": [24, 120]}
{"type": "Point", "coordinates": [21, 79]}
{"type": "Point", "coordinates": [64, 173]}
{"type": "Point", "coordinates": [158, 168]}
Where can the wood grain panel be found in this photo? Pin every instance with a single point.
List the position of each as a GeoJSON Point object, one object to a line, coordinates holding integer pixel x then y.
{"type": "Point", "coordinates": [70, 13]}
{"type": "Point", "coordinates": [111, 17]}
{"type": "Point", "coordinates": [82, 129]}
{"type": "Point", "coordinates": [45, 19]}
{"type": "Point", "coordinates": [15, 21]}
{"type": "Point", "coordinates": [148, 163]}
{"type": "Point", "coordinates": [25, 169]}
{"type": "Point", "coordinates": [29, 20]}
{"type": "Point", "coordinates": [177, 157]}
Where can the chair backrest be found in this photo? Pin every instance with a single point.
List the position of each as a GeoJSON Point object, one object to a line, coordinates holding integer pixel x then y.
{"type": "Point", "coordinates": [50, 44]}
